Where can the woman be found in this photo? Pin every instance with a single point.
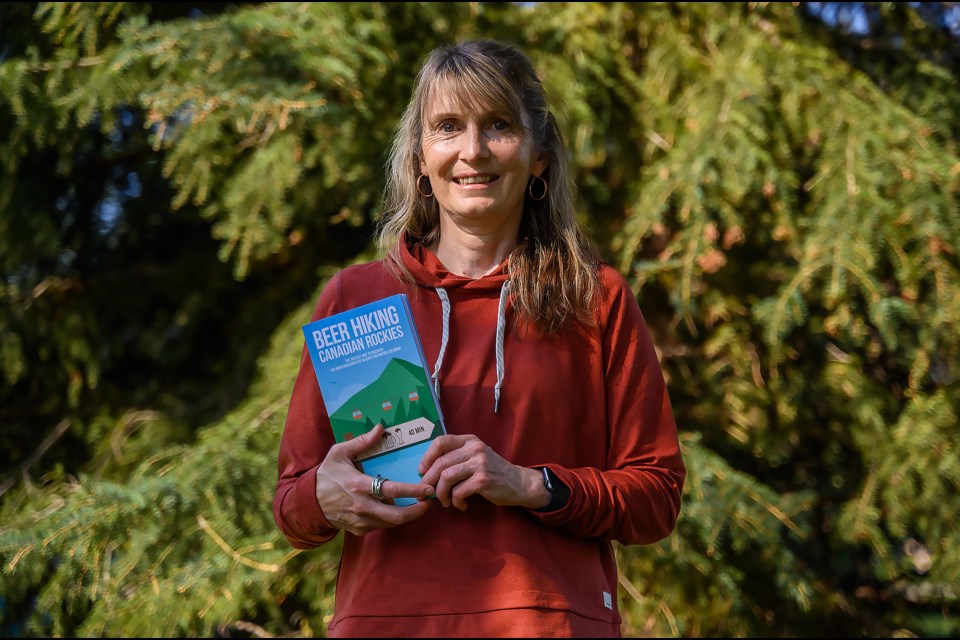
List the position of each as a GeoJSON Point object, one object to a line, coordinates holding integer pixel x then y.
{"type": "Point", "coordinates": [561, 437]}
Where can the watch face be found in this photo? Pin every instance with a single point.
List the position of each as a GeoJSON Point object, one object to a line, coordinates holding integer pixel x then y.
{"type": "Point", "coordinates": [559, 492]}
{"type": "Point", "coordinates": [546, 479]}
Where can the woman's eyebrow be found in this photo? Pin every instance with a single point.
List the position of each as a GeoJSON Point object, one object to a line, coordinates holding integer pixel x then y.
{"type": "Point", "coordinates": [484, 113]}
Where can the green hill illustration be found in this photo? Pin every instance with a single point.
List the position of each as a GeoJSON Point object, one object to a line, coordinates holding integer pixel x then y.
{"type": "Point", "coordinates": [398, 396]}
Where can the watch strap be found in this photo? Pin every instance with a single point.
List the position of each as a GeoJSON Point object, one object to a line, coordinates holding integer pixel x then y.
{"type": "Point", "coordinates": [559, 492]}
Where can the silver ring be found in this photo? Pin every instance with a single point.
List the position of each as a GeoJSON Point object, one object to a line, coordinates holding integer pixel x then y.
{"type": "Point", "coordinates": [377, 487]}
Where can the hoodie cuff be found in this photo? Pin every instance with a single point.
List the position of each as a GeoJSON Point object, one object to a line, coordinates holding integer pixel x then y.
{"type": "Point", "coordinates": [306, 511]}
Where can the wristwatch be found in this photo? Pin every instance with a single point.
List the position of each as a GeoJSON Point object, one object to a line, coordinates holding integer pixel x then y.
{"type": "Point", "coordinates": [559, 492]}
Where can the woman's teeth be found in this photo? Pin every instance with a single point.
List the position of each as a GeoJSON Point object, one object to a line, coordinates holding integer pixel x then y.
{"type": "Point", "coordinates": [475, 180]}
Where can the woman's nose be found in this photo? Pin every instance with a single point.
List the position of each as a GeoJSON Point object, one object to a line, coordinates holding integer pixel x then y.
{"type": "Point", "coordinates": [474, 144]}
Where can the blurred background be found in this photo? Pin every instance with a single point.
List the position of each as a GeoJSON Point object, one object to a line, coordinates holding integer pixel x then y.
{"type": "Point", "coordinates": [777, 180]}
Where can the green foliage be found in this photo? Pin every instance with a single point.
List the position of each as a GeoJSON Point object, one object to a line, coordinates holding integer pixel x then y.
{"type": "Point", "coordinates": [186, 543]}
{"type": "Point", "coordinates": [176, 183]}
{"type": "Point", "coordinates": [727, 518]}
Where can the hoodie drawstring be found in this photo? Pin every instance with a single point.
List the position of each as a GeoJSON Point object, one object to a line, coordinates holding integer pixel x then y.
{"type": "Point", "coordinates": [498, 347]}
{"type": "Point", "coordinates": [445, 301]}
{"type": "Point", "coordinates": [501, 325]}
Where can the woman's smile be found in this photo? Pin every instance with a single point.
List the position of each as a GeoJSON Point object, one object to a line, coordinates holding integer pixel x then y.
{"type": "Point", "coordinates": [477, 180]}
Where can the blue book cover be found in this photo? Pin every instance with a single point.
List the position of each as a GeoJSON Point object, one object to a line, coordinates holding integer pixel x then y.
{"type": "Point", "coordinates": [371, 369]}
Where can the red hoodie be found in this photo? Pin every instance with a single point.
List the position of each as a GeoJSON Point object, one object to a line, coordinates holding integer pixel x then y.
{"type": "Point", "coordinates": [589, 403]}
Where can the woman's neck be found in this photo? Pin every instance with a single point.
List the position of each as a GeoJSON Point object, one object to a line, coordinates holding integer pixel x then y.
{"type": "Point", "coordinates": [471, 254]}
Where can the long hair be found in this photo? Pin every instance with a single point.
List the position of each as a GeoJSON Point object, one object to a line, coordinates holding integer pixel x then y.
{"type": "Point", "coordinates": [554, 269]}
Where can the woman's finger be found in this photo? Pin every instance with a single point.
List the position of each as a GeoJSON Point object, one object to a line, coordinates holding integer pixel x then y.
{"type": "Point", "coordinates": [391, 490]}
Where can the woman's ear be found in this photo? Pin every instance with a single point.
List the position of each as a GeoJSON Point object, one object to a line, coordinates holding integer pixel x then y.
{"type": "Point", "coordinates": [539, 165]}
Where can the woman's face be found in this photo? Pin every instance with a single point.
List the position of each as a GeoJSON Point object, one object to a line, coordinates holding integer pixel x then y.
{"type": "Point", "coordinates": [477, 160]}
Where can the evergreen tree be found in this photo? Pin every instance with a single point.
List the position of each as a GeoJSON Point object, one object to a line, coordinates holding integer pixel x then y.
{"type": "Point", "coordinates": [179, 180]}
{"type": "Point", "coordinates": [401, 415]}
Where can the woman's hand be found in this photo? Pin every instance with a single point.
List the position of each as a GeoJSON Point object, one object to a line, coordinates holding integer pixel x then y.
{"type": "Point", "coordinates": [344, 493]}
{"type": "Point", "coordinates": [462, 466]}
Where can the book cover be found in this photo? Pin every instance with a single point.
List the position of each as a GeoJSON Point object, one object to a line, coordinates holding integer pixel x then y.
{"type": "Point", "coordinates": [371, 369]}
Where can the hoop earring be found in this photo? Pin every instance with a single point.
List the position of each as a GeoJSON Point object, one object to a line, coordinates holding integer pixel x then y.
{"type": "Point", "coordinates": [420, 191]}
{"type": "Point", "coordinates": [533, 181]}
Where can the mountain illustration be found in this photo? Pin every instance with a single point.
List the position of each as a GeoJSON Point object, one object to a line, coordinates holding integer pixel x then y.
{"type": "Point", "coordinates": [399, 395]}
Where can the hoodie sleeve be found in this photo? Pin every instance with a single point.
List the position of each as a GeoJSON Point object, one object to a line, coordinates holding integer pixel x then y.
{"type": "Point", "coordinates": [307, 437]}
{"type": "Point", "coordinates": [635, 498]}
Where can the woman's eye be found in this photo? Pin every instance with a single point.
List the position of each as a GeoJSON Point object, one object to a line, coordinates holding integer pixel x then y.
{"type": "Point", "coordinates": [501, 125]}
{"type": "Point", "coordinates": [447, 127]}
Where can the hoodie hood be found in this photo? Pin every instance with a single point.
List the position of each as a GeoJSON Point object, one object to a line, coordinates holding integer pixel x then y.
{"type": "Point", "coordinates": [429, 272]}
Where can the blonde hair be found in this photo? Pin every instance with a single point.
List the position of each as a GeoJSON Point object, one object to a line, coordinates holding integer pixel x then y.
{"type": "Point", "coordinates": [554, 269]}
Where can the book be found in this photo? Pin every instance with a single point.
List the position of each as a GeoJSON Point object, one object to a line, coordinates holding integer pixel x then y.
{"type": "Point", "coordinates": [371, 369]}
